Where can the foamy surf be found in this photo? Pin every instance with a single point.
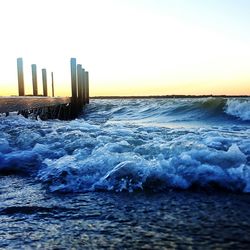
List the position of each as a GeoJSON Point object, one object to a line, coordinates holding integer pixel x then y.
{"type": "Point", "coordinates": [121, 146]}
{"type": "Point", "coordinates": [238, 108]}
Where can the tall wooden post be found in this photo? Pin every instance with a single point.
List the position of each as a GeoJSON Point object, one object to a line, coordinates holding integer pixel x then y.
{"type": "Point", "coordinates": [45, 88]}
{"type": "Point", "coordinates": [52, 83]}
{"type": "Point", "coordinates": [21, 91]}
{"type": "Point", "coordinates": [83, 87]}
{"type": "Point", "coordinates": [80, 85]}
{"type": "Point", "coordinates": [34, 79]}
{"type": "Point", "coordinates": [74, 109]}
{"type": "Point", "coordinates": [87, 87]}
{"type": "Point", "coordinates": [73, 79]}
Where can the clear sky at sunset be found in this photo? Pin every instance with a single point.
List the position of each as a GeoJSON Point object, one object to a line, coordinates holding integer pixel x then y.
{"type": "Point", "coordinates": [130, 47]}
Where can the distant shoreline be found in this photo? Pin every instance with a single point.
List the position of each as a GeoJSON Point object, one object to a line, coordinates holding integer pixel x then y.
{"type": "Point", "coordinates": [169, 96]}
{"type": "Point", "coordinates": [140, 97]}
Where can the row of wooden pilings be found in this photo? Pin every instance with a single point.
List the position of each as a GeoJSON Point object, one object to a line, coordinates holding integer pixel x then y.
{"type": "Point", "coordinates": [21, 89]}
{"type": "Point", "coordinates": [79, 81]}
{"type": "Point", "coordinates": [79, 88]}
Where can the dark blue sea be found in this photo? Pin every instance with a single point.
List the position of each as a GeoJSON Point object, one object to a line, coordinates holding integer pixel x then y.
{"type": "Point", "coordinates": [128, 174]}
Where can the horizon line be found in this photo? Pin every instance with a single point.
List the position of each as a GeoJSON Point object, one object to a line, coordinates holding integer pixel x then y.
{"type": "Point", "coordinates": [163, 96]}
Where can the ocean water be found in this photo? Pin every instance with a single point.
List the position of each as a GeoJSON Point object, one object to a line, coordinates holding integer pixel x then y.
{"type": "Point", "coordinates": [128, 173]}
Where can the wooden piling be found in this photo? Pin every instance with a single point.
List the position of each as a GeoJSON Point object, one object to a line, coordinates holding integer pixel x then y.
{"type": "Point", "coordinates": [83, 87]}
{"type": "Point", "coordinates": [46, 107]}
{"type": "Point", "coordinates": [80, 85]}
{"type": "Point", "coordinates": [21, 90]}
{"type": "Point", "coordinates": [45, 88]}
{"type": "Point", "coordinates": [73, 79]}
{"type": "Point", "coordinates": [34, 79]}
{"type": "Point", "coordinates": [87, 87]}
{"type": "Point", "coordinates": [52, 83]}
{"type": "Point", "coordinates": [74, 106]}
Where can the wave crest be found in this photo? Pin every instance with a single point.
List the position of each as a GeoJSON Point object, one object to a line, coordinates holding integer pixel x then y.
{"type": "Point", "coordinates": [239, 109]}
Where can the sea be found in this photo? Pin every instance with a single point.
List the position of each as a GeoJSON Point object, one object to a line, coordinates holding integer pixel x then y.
{"type": "Point", "coordinates": [150, 173]}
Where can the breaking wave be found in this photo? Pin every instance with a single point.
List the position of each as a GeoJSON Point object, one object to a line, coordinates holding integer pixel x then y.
{"type": "Point", "coordinates": [240, 109]}
{"type": "Point", "coordinates": [121, 145]}
{"type": "Point", "coordinates": [201, 110]}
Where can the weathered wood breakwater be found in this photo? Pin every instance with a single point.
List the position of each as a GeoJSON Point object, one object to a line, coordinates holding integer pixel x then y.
{"type": "Point", "coordinates": [46, 107]}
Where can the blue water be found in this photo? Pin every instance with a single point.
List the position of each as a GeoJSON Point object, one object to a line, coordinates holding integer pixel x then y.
{"type": "Point", "coordinates": [128, 173]}
{"type": "Point", "coordinates": [135, 145]}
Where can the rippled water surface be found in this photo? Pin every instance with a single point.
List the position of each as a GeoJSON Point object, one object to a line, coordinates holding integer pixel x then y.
{"type": "Point", "coordinates": [32, 217]}
{"type": "Point", "coordinates": [164, 173]}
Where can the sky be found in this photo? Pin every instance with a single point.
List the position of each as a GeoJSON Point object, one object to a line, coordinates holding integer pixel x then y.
{"type": "Point", "coordinates": [129, 47]}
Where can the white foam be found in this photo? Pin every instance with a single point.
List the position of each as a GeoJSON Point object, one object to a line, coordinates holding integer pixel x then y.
{"type": "Point", "coordinates": [240, 109]}
{"type": "Point", "coordinates": [120, 166]}
{"type": "Point", "coordinates": [79, 156]}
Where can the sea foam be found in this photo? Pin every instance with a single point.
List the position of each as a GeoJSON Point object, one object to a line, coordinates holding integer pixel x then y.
{"type": "Point", "coordinates": [239, 108]}
{"type": "Point", "coordinates": [117, 154]}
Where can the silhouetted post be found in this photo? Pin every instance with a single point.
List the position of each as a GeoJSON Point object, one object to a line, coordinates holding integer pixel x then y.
{"type": "Point", "coordinates": [83, 87]}
{"type": "Point", "coordinates": [21, 91]}
{"type": "Point", "coordinates": [34, 79]}
{"type": "Point", "coordinates": [73, 87]}
{"type": "Point", "coordinates": [87, 87]}
{"type": "Point", "coordinates": [80, 85]}
{"type": "Point", "coordinates": [45, 88]}
{"type": "Point", "coordinates": [52, 79]}
{"type": "Point", "coordinates": [73, 79]}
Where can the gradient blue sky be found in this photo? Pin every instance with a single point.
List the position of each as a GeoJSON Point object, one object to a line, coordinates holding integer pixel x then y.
{"type": "Point", "coordinates": [130, 47]}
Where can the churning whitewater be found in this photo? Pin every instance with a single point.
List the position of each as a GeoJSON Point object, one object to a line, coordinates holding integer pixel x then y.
{"type": "Point", "coordinates": [134, 145]}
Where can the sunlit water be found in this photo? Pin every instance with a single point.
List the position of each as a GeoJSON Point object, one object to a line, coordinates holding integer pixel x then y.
{"type": "Point", "coordinates": [149, 173]}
